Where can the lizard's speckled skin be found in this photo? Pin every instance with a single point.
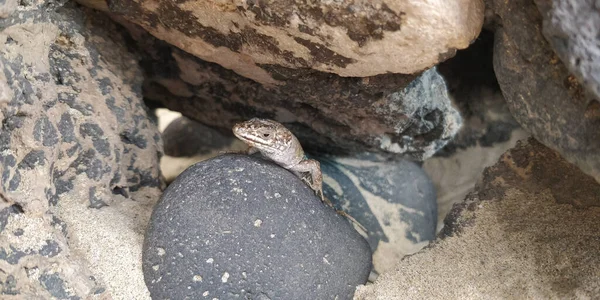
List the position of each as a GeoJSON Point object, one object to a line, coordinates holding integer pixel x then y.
{"type": "Point", "coordinates": [278, 144]}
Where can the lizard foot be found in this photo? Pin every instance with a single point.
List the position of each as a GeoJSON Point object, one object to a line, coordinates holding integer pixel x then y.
{"type": "Point", "coordinates": [353, 220]}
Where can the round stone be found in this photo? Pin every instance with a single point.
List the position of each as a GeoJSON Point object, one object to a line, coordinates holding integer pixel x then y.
{"type": "Point", "coordinates": [186, 137]}
{"type": "Point", "coordinates": [238, 226]}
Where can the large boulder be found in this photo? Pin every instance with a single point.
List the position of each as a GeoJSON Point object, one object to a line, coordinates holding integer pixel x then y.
{"type": "Point", "coordinates": [347, 38]}
{"type": "Point", "coordinates": [241, 227]}
{"type": "Point", "coordinates": [398, 113]}
{"type": "Point", "coordinates": [542, 94]}
{"type": "Point", "coordinates": [78, 157]}
{"type": "Point", "coordinates": [327, 113]}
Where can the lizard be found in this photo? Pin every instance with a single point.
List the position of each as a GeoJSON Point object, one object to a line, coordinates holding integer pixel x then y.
{"type": "Point", "coordinates": [278, 144]}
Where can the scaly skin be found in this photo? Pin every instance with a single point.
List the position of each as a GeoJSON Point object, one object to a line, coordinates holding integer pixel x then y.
{"type": "Point", "coordinates": [278, 144]}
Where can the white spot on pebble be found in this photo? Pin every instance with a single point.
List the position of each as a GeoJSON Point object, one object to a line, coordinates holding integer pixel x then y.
{"type": "Point", "coordinates": [225, 277]}
{"type": "Point", "coordinates": [155, 267]}
{"type": "Point", "coordinates": [205, 294]}
{"type": "Point", "coordinates": [210, 260]}
{"type": "Point", "coordinates": [272, 235]}
{"type": "Point", "coordinates": [277, 195]}
{"type": "Point", "coordinates": [257, 223]}
{"type": "Point", "coordinates": [197, 278]}
{"type": "Point", "coordinates": [326, 261]}
{"type": "Point", "coordinates": [160, 251]}
{"type": "Point", "coordinates": [244, 275]}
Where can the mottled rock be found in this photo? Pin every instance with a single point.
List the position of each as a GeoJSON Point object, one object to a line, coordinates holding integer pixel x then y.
{"type": "Point", "coordinates": [237, 226]}
{"type": "Point", "coordinates": [530, 229]}
{"type": "Point", "coordinates": [185, 137]}
{"type": "Point", "coordinates": [573, 30]}
{"type": "Point", "coordinates": [328, 113]}
{"type": "Point", "coordinates": [395, 201]}
{"type": "Point", "coordinates": [75, 191]}
{"type": "Point", "coordinates": [7, 7]}
{"type": "Point", "coordinates": [544, 97]}
{"type": "Point", "coordinates": [348, 38]}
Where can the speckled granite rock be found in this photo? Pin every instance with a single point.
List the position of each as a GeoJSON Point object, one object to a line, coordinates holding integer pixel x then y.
{"type": "Point", "coordinates": [573, 30]}
{"type": "Point", "coordinates": [78, 157]}
{"type": "Point", "coordinates": [237, 226]}
{"type": "Point", "coordinates": [348, 38]}
{"type": "Point", "coordinates": [530, 230]}
{"type": "Point", "coordinates": [544, 97]}
{"type": "Point", "coordinates": [395, 201]}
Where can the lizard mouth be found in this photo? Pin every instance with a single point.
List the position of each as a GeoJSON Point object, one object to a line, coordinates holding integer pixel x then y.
{"type": "Point", "coordinates": [251, 138]}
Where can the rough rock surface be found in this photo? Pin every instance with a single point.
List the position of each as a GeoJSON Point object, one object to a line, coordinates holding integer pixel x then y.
{"type": "Point", "coordinates": [395, 201]}
{"type": "Point", "coordinates": [530, 230]}
{"type": "Point", "coordinates": [385, 113]}
{"type": "Point", "coordinates": [573, 30]}
{"type": "Point", "coordinates": [348, 38]}
{"type": "Point", "coordinates": [237, 226]}
{"type": "Point", "coordinates": [7, 7]}
{"type": "Point", "coordinates": [78, 157]}
{"type": "Point", "coordinates": [542, 95]}
{"type": "Point", "coordinates": [327, 113]}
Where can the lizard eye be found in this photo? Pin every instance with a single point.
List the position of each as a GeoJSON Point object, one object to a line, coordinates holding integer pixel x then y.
{"type": "Point", "coordinates": [266, 135]}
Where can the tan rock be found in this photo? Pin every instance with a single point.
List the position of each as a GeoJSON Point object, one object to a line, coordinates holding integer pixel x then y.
{"type": "Point", "coordinates": [7, 7]}
{"type": "Point", "coordinates": [529, 231]}
{"type": "Point", "coordinates": [78, 158]}
{"type": "Point", "coordinates": [350, 38]}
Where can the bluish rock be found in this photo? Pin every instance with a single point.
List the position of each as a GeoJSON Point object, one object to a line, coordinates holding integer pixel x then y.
{"type": "Point", "coordinates": [394, 200]}
{"type": "Point", "coordinates": [241, 227]}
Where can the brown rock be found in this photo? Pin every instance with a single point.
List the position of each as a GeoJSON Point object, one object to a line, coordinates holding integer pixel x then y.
{"type": "Point", "coordinates": [348, 38]}
{"type": "Point", "coordinates": [328, 113]}
{"type": "Point", "coordinates": [544, 97]}
{"type": "Point", "coordinates": [530, 230]}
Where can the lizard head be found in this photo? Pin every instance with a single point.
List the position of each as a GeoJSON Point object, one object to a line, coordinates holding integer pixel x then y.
{"type": "Point", "coordinates": [265, 135]}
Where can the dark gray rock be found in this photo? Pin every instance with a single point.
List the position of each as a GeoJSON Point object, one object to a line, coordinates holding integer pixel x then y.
{"type": "Point", "coordinates": [573, 30]}
{"type": "Point", "coordinates": [394, 200]}
{"type": "Point", "coordinates": [186, 137]}
{"type": "Point", "coordinates": [238, 226]}
{"type": "Point", "coordinates": [543, 96]}
{"type": "Point", "coordinates": [389, 113]}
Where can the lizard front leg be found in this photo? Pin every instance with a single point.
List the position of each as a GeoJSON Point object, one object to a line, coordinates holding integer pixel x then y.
{"type": "Point", "coordinates": [312, 167]}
